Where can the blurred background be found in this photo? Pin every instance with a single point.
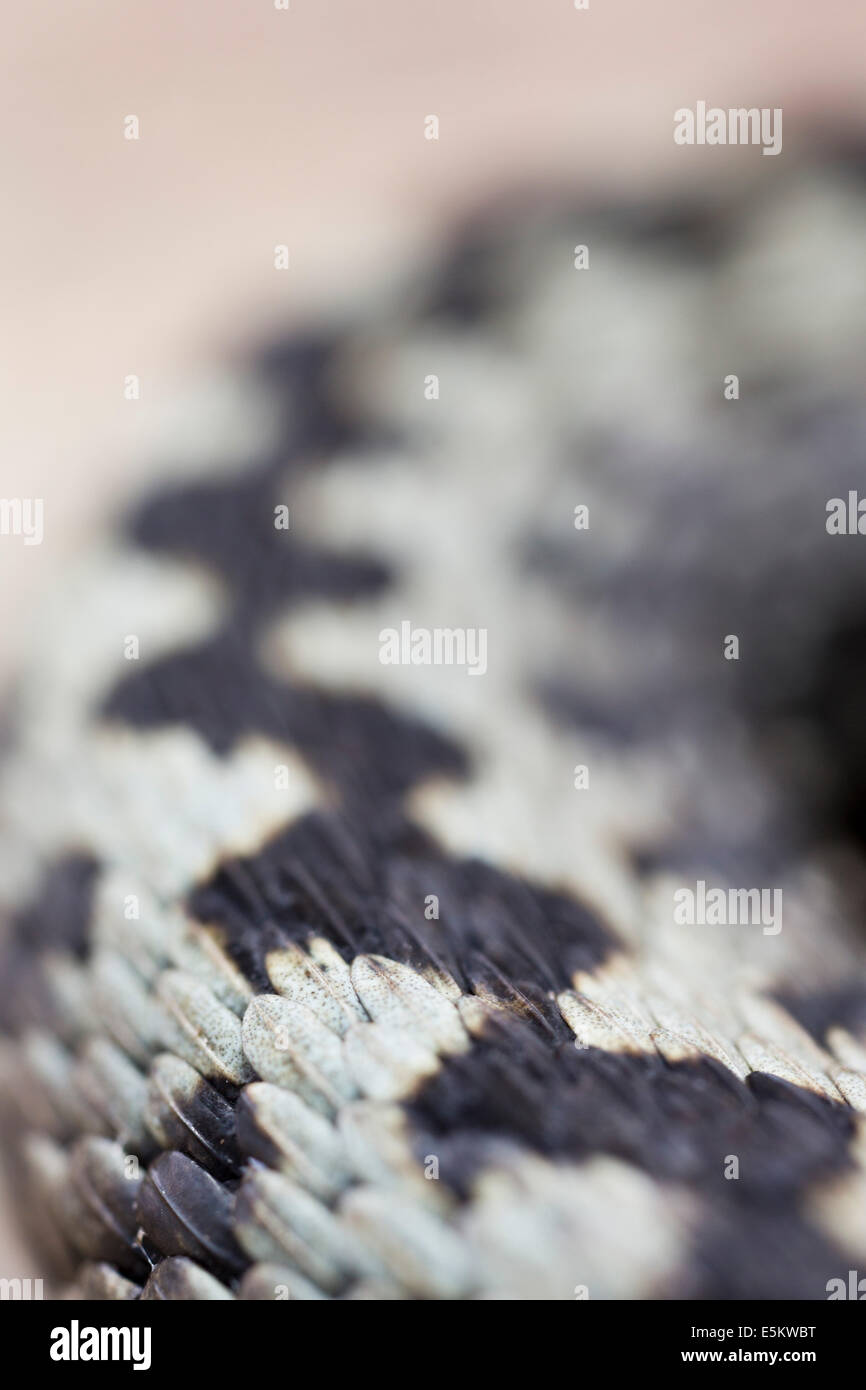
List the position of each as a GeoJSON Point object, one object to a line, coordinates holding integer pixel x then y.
{"type": "Point", "coordinates": [260, 126]}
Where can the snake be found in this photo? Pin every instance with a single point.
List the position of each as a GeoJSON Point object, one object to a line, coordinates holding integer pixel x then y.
{"type": "Point", "coordinates": [327, 976]}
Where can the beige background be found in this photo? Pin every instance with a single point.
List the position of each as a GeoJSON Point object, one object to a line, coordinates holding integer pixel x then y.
{"type": "Point", "coordinates": [258, 127]}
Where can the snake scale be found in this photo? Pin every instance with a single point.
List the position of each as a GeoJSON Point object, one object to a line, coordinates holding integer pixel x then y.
{"type": "Point", "coordinates": [332, 977]}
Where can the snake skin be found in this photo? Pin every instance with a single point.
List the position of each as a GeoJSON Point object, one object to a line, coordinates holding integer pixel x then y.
{"type": "Point", "coordinates": [322, 978]}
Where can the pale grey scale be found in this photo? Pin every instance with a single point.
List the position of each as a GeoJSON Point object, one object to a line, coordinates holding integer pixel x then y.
{"type": "Point", "coordinates": [125, 1005]}
{"type": "Point", "coordinates": [279, 1128]}
{"type": "Point", "coordinates": [528, 1218]}
{"type": "Point", "coordinates": [397, 995]}
{"type": "Point", "coordinates": [290, 1046]}
{"type": "Point", "coordinates": [849, 1050]}
{"type": "Point", "coordinates": [375, 1291]}
{"type": "Point", "coordinates": [141, 952]}
{"type": "Point", "coordinates": [201, 1030]}
{"type": "Point", "coordinates": [767, 1057]}
{"type": "Point", "coordinates": [162, 938]}
{"type": "Point", "coordinates": [181, 1279]}
{"type": "Point", "coordinates": [47, 1162]}
{"type": "Point", "coordinates": [116, 1089]}
{"type": "Point", "coordinates": [852, 1085]}
{"type": "Point", "coordinates": [68, 984]}
{"type": "Point", "coordinates": [277, 1221]}
{"type": "Point", "coordinates": [145, 941]}
{"type": "Point", "coordinates": [388, 1063]}
{"type": "Point", "coordinates": [46, 1170]}
{"type": "Point", "coordinates": [198, 952]}
{"type": "Point", "coordinates": [266, 1283]}
{"type": "Point", "coordinates": [65, 1109]}
{"type": "Point", "coordinates": [674, 1048]}
{"type": "Point", "coordinates": [329, 993]}
{"type": "Point", "coordinates": [327, 958]}
{"type": "Point", "coordinates": [421, 1251]}
{"type": "Point", "coordinates": [101, 1283]}
{"type": "Point", "coordinates": [26, 1103]}
{"type": "Point", "coordinates": [379, 1144]}
{"type": "Point", "coordinates": [676, 1022]}
{"type": "Point", "coordinates": [595, 1026]}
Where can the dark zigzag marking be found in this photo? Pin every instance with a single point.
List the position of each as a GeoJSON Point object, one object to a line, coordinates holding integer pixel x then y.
{"type": "Point", "coordinates": [218, 687]}
{"type": "Point", "coordinates": [372, 753]}
{"type": "Point", "coordinates": [229, 527]}
{"type": "Point", "coordinates": [363, 884]}
{"type": "Point", "coordinates": [677, 1122]}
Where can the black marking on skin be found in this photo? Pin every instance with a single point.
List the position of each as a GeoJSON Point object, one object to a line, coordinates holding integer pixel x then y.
{"type": "Point", "coordinates": [686, 231]}
{"type": "Point", "coordinates": [835, 704]}
{"type": "Point", "coordinates": [305, 374]}
{"type": "Point", "coordinates": [363, 884]}
{"type": "Point", "coordinates": [350, 740]}
{"type": "Point", "coordinates": [229, 527]}
{"type": "Point", "coordinates": [755, 1252]}
{"type": "Point", "coordinates": [843, 1007]}
{"type": "Point", "coordinates": [677, 1122]}
{"type": "Point", "coordinates": [802, 717]}
{"type": "Point", "coordinates": [59, 917]}
{"type": "Point", "coordinates": [470, 289]}
{"type": "Point", "coordinates": [57, 920]}
{"type": "Point", "coordinates": [464, 291]}
{"type": "Point", "coordinates": [692, 595]}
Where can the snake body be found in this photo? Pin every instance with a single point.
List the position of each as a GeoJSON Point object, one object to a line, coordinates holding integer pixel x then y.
{"type": "Point", "coordinates": [326, 977]}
